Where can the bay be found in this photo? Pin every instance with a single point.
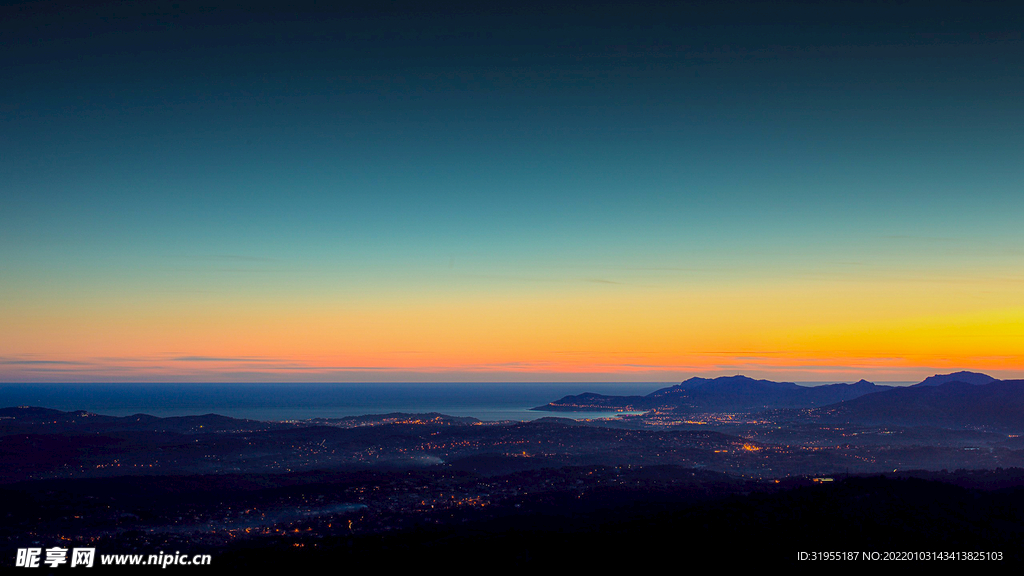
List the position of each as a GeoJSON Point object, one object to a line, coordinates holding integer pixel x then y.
{"type": "Point", "coordinates": [300, 401]}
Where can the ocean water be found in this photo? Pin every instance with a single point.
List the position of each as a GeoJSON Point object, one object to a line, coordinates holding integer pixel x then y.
{"type": "Point", "coordinates": [486, 401]}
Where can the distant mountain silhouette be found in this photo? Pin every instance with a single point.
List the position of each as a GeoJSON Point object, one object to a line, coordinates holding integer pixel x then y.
{"type": "Point", "coordinates": [998, 404]}
{"type": "Point", "coordinates": [725, 394]}
{"type": "Point", "coordinates": [964, 376]}
{"type": "Point", "coordinates": [735, 384]}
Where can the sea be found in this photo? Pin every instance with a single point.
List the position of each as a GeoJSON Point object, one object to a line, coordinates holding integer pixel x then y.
{"type": "Point", "coordinates": [302, 401]}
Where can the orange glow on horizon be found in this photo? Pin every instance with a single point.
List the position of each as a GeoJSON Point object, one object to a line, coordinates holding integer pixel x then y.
{"type": "Point", "coordinates": [805, 331]}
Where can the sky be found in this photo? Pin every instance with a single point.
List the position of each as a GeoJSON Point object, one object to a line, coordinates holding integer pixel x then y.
{"type": "Point", "coordinates": [436, 191]}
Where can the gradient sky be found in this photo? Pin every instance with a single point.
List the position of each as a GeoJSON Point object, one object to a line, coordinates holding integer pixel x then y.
{"type": "Point", "coordinates": [527, 191]}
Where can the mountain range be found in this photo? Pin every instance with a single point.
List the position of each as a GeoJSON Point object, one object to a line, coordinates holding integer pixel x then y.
{"type": "Point", "coordinates": [960, 399]}
{"type": "Point", "coordinates": [724, 394]}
